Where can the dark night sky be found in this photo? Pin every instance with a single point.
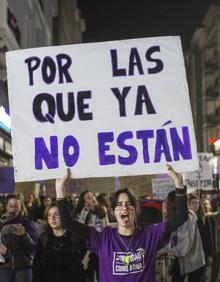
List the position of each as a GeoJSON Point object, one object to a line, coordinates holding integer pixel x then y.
{"type": "Point", "coordinates": [123, 19]}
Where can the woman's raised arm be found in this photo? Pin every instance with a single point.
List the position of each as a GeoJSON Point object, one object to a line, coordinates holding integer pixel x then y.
{"type": "Point", "coordinates": [181, 202]}
{"type": "Point", "coordinates": [68, 223]}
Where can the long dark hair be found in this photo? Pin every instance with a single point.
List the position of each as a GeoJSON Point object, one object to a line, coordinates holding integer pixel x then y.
{"type": "Point", "coordinates": [81, 203]}
{"type": "Point", "coordinates": [171, 205]}
{"type": "Point", "coordinates": [200, 212]}
{"type": "Point", "coordinates": [99, 210]}
{"type": "Point", "coordinates": [23, 211]}
{"type": "Point", "coordinates": [102, 201]}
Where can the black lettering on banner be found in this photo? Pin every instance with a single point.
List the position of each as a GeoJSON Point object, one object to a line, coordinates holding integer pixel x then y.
{"type": "Point", "coordinates": [82, 95]}
{"type": "Point", "coordinates": [71, 107]}
{"type": "Point", "coordinates": [121, 99]}
{"type": "Point", "coordinates": [37, 107]}
{"type": "Point", "coordinates": [143, 98]}
{"type": "Point", "coordinates": [159, 63]}
{"type": "Point", "coordinates": [63, 68]}
{"type": "Point", "coordinates": [33, 63]}
{"type": "Point", "coordinates": [135, 61]}
{"type": "Point", "coordinates": [49, 68]}
{"type": "Point", "coordinates": [115, 70]}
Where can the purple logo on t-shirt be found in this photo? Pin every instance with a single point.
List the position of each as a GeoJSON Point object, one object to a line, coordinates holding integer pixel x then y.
{"type": "Point", "coordinates": [128, 262]}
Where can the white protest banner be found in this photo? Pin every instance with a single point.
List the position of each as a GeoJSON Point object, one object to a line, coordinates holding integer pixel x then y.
{"type": "Point", "coordinates": [102, 109]}
{"type": "Point", "coordinates": [162, 184]}
{"type": "Point", "coordinates": [203, 177]}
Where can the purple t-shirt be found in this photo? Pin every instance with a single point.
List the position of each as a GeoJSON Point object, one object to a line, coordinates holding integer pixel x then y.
{"type": "Point", "coordinates": [131, 259]}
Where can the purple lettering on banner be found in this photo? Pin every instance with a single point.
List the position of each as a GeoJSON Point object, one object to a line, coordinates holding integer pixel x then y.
{"type": "Point", "coordinates": [103, 138]}
{"type": "Point", "coordinates": [131, 159]}
{"type": "Point", "coordinates": [162, 146]}
{"type": "Point", "coordinates": [145, 135]}
{"type": "Point", "coordinates": [42, 153]}
{"type": "Point", "coordinates": [70, 142]}
{"type": "Point", "coordinates": [180, 147]}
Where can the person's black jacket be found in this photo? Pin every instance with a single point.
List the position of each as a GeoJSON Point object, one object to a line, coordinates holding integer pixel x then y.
{"type": "Point", "coordinates": [205, 230]}
{"type": "Point", "coordinates": [20, 248]}
{"type": "Point", "coordinates": [58, 259]}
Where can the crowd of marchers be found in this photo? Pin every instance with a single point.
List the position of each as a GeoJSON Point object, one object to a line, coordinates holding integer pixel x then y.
{"type": "Point", "coordinates": [101, 237]}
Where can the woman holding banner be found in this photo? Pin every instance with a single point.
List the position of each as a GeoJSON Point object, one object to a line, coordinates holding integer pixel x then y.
{"type": "Point", "coordinates": [127, 253]}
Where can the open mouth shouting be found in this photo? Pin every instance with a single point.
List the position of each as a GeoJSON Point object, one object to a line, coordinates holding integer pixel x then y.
{"type": "Point", "coordinates": [126, 219]}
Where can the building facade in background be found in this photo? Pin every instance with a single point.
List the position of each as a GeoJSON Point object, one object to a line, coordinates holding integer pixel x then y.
{"type": "Point", "coordinates": [29, 24]}
{"type": "Point", "coordinates": [203, 65]}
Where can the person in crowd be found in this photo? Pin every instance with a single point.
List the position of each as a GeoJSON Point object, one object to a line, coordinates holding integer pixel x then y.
{"type": "Point", "coordinates": [19, 235]}
{"type": "Point", "coordinates": [58, 253]}
{"type": "Point", "coordinates": [89, 212]}
{"type": "Point", "coordinates": [2, 206]}
{"type": "Point", "coordinates": [214, 200]}
{"type": "Point", "coordinates": [46, 201]}
{"type": "Point", "coordinates": [185, 246]}
{"type": "Point", "coordinates": [40, 220]}
{"type": "Point", "coordinates": [4, 254]}
{"type": "Point", "coordinates": [206, 205]}
{"type": "Point", "coordinates": [33, 207]}
{"type": "Point", "coordinates": [73, 200]}
{"type": "Point", "coordinates": [103, 200]}
{"type": "Point", "coordinates": [126, 253]}
{"type": "Point", "coordinates": [205, 230]}
{"type": "Point", "coordinates": [215, 217]}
